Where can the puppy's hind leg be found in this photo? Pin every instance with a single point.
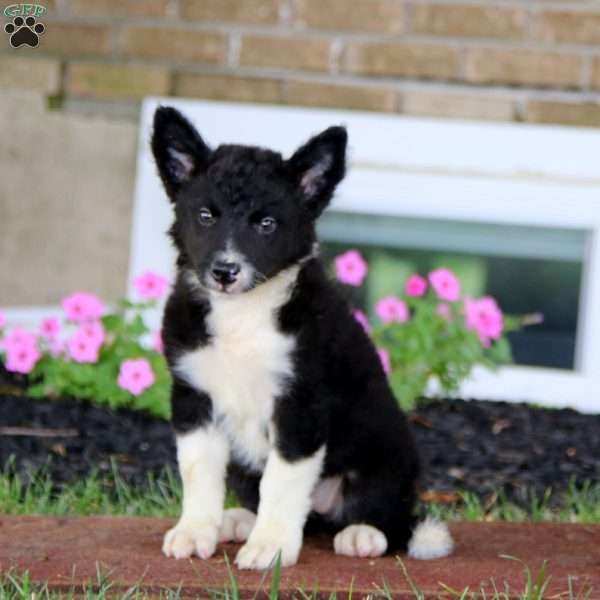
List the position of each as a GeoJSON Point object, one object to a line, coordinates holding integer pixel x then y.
{"type": "Point", "coordinates": [377, 518]}
{"type": "Point", "coordinates": [360, 540]}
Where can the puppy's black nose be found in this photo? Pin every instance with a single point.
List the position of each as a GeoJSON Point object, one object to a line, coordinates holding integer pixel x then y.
{"type": "Point", "coordinates": [225, 272]}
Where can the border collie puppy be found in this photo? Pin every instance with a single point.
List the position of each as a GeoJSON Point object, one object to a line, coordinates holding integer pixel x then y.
{"type": "Point", "coordinates": [278, 393]}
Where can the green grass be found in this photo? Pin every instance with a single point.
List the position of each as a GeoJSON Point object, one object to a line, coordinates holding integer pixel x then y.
{"type": "Point", "coordinates": [577, 504]}
{"type": "Point", "coordinates": [161, 496]}
{"type": "Point", "coordinates": [19, 586]}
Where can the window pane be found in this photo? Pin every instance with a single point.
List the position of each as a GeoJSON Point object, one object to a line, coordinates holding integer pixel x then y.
{"type": "Point", "coordinates": [527, 269]}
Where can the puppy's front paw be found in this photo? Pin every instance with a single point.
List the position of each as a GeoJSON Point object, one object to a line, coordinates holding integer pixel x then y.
{"type": "Point", "coordinates": [190, 538]}
{"type": "Point", "coordinates": [262, 548]}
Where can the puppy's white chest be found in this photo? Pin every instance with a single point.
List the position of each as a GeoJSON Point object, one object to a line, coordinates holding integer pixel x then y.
{"type": "Point", "coordinates": [243, 369]}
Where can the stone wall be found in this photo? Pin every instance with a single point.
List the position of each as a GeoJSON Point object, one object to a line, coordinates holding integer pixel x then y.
{"type": "Point", "coordinates": [68, 109]}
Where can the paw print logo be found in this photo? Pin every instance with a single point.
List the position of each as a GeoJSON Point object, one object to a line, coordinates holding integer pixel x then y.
{"type": "Point", "coordinates": [24, 32]}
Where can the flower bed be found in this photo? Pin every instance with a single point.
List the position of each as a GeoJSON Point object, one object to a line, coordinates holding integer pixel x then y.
{"type": "Point", "coordinates": [432, 336]}
{"type": "Point", "coordinates": [106, 357]}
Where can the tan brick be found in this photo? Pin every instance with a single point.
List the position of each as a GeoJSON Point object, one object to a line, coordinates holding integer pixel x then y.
{"type": "Point", "coordinates": [406, 60]}
{"type": "Point", "coordinates": [522, 67]}
{"type": "Point", "coordinates": [221, 87]}
{"type": "Point", "coordinates": [386, 16]}
{"type": "Point", "coordinates": [563, 113]}
{"type": "Point", "coordinates": [29, 73]}
{"type": "Point", "coordinates": [457, 106]}
{"type": "Point", "coordinates": [244, 11]}
{"type": "Point", "coordinates": [308, 93]}
{"type": "Point", "coordinates": [285, 52]}
{"type": "Point", "coordinates": [469, 21]}
{"type": "Point", "coordinates": [116, 81]}
{"type": "Point", "coordinates": [120, 8]}
{"type": "Point", "coordinates": [69, 39]}
{"type": "Point", "coordinates": [596, 73]}
{"type": "Point", "coordinates": [176, 44]}
{"type": "Point", "coordinates": [568, 27]}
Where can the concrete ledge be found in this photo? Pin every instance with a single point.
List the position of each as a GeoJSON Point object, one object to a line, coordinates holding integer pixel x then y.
{"type": "Point", "coordinates": [67, 552]}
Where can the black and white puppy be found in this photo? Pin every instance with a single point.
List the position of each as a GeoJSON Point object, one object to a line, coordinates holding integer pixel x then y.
{"type": "Point", "coordinates": [277, 393]}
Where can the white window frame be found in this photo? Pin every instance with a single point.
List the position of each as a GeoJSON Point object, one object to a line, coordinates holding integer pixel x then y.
{"type": "Point", "coordinates": [460, 171]}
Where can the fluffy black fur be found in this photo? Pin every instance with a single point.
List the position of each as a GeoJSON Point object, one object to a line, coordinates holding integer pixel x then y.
{"type": "Point", "coordinates": [338, 394]}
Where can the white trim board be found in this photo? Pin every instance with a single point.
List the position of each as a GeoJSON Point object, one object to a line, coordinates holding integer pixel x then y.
{"type": "Point", "coordinates": [423, 168]}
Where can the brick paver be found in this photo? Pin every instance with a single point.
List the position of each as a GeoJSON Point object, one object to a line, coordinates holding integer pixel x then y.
{"type": "Point", "coordinates": [68, 551]}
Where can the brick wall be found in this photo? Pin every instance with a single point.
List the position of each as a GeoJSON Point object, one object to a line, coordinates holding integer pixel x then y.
{"type": "Point", "coordinates": [69, 108]}
{"type": "Point", "coordinates": [506, 60]}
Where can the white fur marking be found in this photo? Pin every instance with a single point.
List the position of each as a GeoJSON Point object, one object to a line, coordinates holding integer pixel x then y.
{"type": "Point", "coordinates": [431, 539]}
{"type": "Point", "coordinates": [202, 456]}
{"type": "Point", "coordinates": [237, 525]}
{"type": "Point", "coordinates": [245, 364]}
{"type": "Point", "coordinates": [285, 500]}
{"type": "Point", "coordinates": [360, 540]}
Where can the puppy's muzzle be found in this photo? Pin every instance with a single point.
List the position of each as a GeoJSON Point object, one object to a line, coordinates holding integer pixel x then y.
{"type": "Point", "coordinates": [225, 273]}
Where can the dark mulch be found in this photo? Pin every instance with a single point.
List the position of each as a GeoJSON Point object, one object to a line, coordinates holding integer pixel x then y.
{"type": "Point", "coordinates": [465, 445]}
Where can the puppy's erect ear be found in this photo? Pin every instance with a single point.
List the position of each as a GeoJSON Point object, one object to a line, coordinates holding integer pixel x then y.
{"type": "Point", "coordinates": [178, 149]}
{"type": "Point", "coordinates": [318, 166]}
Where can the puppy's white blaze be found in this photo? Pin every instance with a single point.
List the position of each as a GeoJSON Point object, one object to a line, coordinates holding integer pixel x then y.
{"type": "Point", "coordinates": [245, 365]}
{"type": "Point", "coordinates": [247, 271]}
{"type": "Point", "coordinates": [202, 456]}
{"type": "Point", "coordinates": [285, 500]}
{"type": "Point", "coordinates": [431, 539]}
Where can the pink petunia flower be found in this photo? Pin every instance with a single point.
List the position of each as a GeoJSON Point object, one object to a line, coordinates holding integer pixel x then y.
{"type": "Point", "coordinates": [82, 306]}
{"type": "Point", "coordinates": [415, 286]}
{"type": "Point", "coordinates": [445, 284]}
{"type": "Point", "coordinates": [94, 332]}
{"type": "Point", "coordinates": [2, 319]}
{"type": "Point", "coordinates": [360, 316]}
{"type": "Point", "coordinates": [157, 340]}
{"type": "Point", "coordinates": [151, 286]}
{"type": "Point", "coordinates": [19, 338]}
{"type": "Point", "coordinates": [443, 310]}
{"type": "Point", "coordinates": [82, 349]}
{"type": "Point", "coordinates": [50, 328]}
{"type": "Point", "coordinates": [136, 375]}
{"type": "Point", "coordinates": [351, 268]}
{"type": "Point", "coordinates": [384, 357]}
{"type": "Point", "coordinates": [390, 309]}
{"type": "Point", "coordinates": [485, 318]}
{"type": "Point", "coordinates": [22, 359]}
{"type": "Point", "coordinates": [56, 347]}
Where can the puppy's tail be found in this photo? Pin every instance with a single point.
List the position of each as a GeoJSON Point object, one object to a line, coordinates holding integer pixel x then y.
{"type": "Point", "coordinates": [430, 539]}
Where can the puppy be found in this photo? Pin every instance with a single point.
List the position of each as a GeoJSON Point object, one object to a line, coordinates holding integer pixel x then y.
{"type": "Point", "coordinates": [278, 394]}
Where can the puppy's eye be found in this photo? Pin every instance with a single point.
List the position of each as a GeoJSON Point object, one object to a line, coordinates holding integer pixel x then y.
{"type": "Point", "coordinates": [267, 225]}
{"type": "Point", "coordinates": [206, 217]}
